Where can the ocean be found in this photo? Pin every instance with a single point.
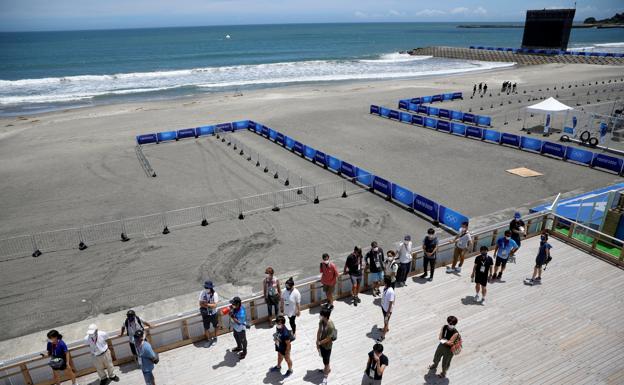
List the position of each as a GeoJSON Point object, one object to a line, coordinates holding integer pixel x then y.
{"type": "Point", "coordinates": [44, 71]}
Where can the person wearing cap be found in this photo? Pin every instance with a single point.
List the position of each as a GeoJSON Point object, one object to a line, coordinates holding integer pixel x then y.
{"type": "Point", "coordinates": [517, 228]}
{"type": "Point", "coordinates": [208, 300]}
{"type": "Point", "coordinates": [238, 316]}
{"type": "Point", "coordinates": [291, 304]}
{"type": "Point", "coordinates": [405, 260]}
{"type": "Point", "coordinates": [131, 324]}
{"type": "Point", "coordinates": [100, 354]}
{"type": "Point", "coordinates": [147, 355]}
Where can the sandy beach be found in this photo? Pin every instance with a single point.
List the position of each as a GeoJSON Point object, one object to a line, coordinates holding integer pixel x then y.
{"type": "Point", "coordinates": [77, 167]}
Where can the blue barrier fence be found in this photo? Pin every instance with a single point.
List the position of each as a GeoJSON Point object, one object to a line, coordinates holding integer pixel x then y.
{"type": "Point", "coordinates": [526, 143]}
{"type": "Point", "coordinates": [185, 133]}
{"type": "Point", "coordinates": [417, 105]}
{"type": "Point", "coordinates": [551, 52]}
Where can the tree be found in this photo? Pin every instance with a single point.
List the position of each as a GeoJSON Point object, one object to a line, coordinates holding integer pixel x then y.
{"type": "Point", "coordinates": [590, 20]}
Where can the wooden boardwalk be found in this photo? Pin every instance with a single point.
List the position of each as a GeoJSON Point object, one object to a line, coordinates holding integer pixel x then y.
{"type": "Point", "coordinates": [566, 331]}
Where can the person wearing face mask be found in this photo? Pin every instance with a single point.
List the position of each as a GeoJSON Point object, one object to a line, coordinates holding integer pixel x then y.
{"type": "Point", "coordinates": [272, 293]}
{"type": "Point", "coordinates": [238, 316]}
{"type": "Point", "coordinates": [208, 300]}
{"type": "Point", "coordinates": [375, 264]}
{"type": "Point", "coordinates": [354, 266]}
{"type": "Point", "coordinates": [282, 339]}
{"type": "Point", "coordinates": [375, 366]}
{"type": "Point", "coordinates": [387, 306]}
{"type": "Point", "coordinates": [391, 267]}
{"type": "Point", "coordinates": [517, 228]}
{"type": "Point", "coordinates": [463, 243]}
{"type": "Point", "coordinates": [430, 251]}
{"type": "Point", "coordinates": [405, 259]}
{"type": "Point", "coordinates": [131, 324]}
{"type": "Point", "coordinates": [329, 277]}
{"type": "Point", "coordinates": [325, 337]}
{"type": "Point", "coordinates": [448, 337]}
{"type": "Point", "coordinates": [481, 273]}
{"type": "Point", "coordinates": [505, 248]}
{"type": "Point", "coordinates": [60, 361]}
{"type": "Point", "coordinates": [543, 256]}
{"type": "Point", "coordinates": [291, 304]}
{"type": "Point", "coordinates": [100, 354]}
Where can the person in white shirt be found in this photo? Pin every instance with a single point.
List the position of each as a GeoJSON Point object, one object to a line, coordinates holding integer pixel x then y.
{"type": "Point", "coordinates": [131, 324]}
{"type": "Point", "coordinates": [463, 243]}
{"type": "Point", "coordinates": [387, 305]}
{"type": "Point", "coordinates": [405, 260]}
{"type": "Point", "coordinates": [208, 300]}
{"type": "Point", "coordinates": [100, 354]}
{"type": "Point", "coordinates": [291, 304]}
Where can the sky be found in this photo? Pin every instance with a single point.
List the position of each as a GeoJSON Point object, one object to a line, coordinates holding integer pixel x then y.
{"type": "Point", "coordinates": [42, 15]}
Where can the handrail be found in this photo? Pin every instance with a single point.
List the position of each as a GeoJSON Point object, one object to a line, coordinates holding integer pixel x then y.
{"type": "Point", "coordinates": [21, 369]}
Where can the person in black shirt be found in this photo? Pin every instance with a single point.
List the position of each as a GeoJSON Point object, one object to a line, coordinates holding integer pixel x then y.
{"type": "Point", "coordinates": [375, 264]}
{"type": "Point", "coordinates": [375, 366]}
{"type": "Point", "coordinates": [482, 273]}
{"type": "Point", "coordinates": [282, 339]}
{"type": "Point", "coordinates": [430, 249]}
{"type": "Point", "coordinates": [517, 228]}
{"type": "Point", "coordinates": [448, 337]}
{"type": "Point", "coordinates": [354, 266]}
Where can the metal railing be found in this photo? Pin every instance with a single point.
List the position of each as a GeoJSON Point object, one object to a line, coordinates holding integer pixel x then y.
{"type": "Point", "coordinates": [162, 223]}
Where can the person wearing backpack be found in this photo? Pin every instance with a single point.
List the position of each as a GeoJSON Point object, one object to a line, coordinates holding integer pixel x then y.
{"type": "Point", "coordinates": [450, 344]}
{"type": "Point", "coordinates": [282, 339]}
{"type": "Point", "coordinates": [272, 293]}
{"type": "Point", "coordinates": [375, 264]}
{"type": "Point", "coordinates": [325, 337]}
{"type": "Point", "coordinates": [354, 266]}
{"type": "Point", "coordinates": [329, 278]}
{"type": "Point", "coordinates": [543, 257]}
{"type": "Point", "coordinates": [131, 324]}
{"type": "Point", "coordinates": [60, 361]}
{"type": "Point", "coordinates": [405, 259]}
{"type": "Point", "coordinates": [391, 267]}
{"type": "Point", "coordinates": [148, 357]}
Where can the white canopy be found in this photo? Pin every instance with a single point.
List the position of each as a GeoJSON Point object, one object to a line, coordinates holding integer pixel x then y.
{"type": "Point", "coordinates": [550, 105]}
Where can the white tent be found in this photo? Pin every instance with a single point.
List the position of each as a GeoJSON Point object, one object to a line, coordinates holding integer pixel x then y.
{"type": "Point", "coordinates": [550, 106]}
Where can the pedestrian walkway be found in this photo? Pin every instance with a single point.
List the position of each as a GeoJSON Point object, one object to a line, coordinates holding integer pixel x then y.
{"type": "Point", "coordinates": [566, 331]}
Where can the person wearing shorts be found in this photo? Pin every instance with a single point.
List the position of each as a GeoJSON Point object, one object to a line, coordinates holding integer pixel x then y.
{"type": "Point", "coordinates": [387, 305]}
{"type": "Point", "coordinates": [375, 265]}
{"type": "Point", "coordinates": [57, 350]}
{"type": "Point", "coordinates": [505, 247]}
{"type": "Point", "coordinates": [517, 228]}
{"type": "Point", "coordinates": [463, 243]}
{"type": "Point", "coordinates": [543, 256]}
{"type": "Point", "coordinates": [324, 341]}
{"type": "Point", "coordinates": [481, 273]}
{"type": "Point", "coordinates": [329, 277]}
{"type": "Point", "coordinates": [354, 266]}
{"type": "Point", "coordinates": [208, 300]}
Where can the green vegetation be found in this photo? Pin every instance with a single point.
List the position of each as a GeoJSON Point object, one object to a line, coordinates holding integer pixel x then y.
{"type": "Point", "coordinates": [617, 19]}
{"type": "Point", "coordinates": [600, 245]}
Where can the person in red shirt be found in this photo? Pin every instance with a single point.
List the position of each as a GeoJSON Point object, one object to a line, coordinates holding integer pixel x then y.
{"type": "Point", "coordinates": [329, 277]}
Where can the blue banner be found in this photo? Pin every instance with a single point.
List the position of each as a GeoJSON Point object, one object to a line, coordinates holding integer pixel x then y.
{"type": "Point", "coordinates": [554, 149]}
{"type": "Point", "coordinates": [258, 128]}
{"type": "Point", "coordinates": [530, 144]}
{"type": "Point", "coordinates": [412, 107]}
{"type": "Point", "coordinates": [289, 142]}
{"type": "Point", "coordinates": [406, 118]}
{"type": "Point", "coordinates": [279, 138]}
{"type": "Point", "coordinates": [382, 185]}
{"type": "Point", "coordinates": [579, 155]}
{"type": "Point", "coordinates": [457, 115]}
{"type": "Point", "coordinates": [468, 118]}
{"type": "Point", "coordinates": [166, 136]}
{"type": "Point", "coordinates": [309, 152]}
{"type": "Point", "coordinates": [402, 195]}
{"type": "Point", "coordinates": [394, 114]}
{"type": "Point", "coordinates": [426, 99]}
{"type": "Point", "coordinates": [510, 139]}
{"type": "Point", "coordinates": [347, 169]}
{"type": "Point", "coordinates": [431, 122]}
{"type": "Point", "coordinates": [417, 120]}
{"type": "Point", "coordinates": [451, 218]}
{"type": "Point", "coordinates": [333, 163]}
{"type": "Point", "coordinates": [364, 177]}
{"type": "Point", "coordinates": [444, 113]}
{"type": "Point", "coordinates": [204, 130]}
{"type": "Point", "coordinates": [320, 158]}
{"type": "Point", "coordinates": [416, 100]}
{"type": "Point", "coordinates": [374, 109]}
{"type": "Point", "coordinates": [265, 131]}
{"type": "Point", "coordinates": [437, 98]}
{"type": "Point", "coordinates": [483, 120]}
{"type": "Point", "coordinates": [403, 104]}
{"type": "Point", "coordinates": [458, 129]}
{"type": "Point", "coordinates": [224, 126]}
{"type": "Point", "coordinates": [457, 95]}
{"type": "Point", "coordinates": [272, 134]}
{"type": "Point", "coordinates": [186, 133]}
{"type": "Point", "coordinates": [383, 111]}
{"type": "Point", "coordinates": [298, 148]}
{"type": "Point", "coordinates": [433, 111]}
{"type": "Point", "coordinates": [444, 126]}
{"type": "Point", "coordinates": [448, 97]}
{"type": "Point", "coordinates": [252, 125]}
{"type": "Point", "coordinates": [426, 206]}
{"type": "Point", "coordinates": [474, 132]}
{"type": "Point", "coordinates": [241, 125]}
{"type": "Point", "coordinates": [608, 162]}
{"type": "Point", "coordinates": [491, 136]}
{"type": "Point", "coordinates": [147, 139]}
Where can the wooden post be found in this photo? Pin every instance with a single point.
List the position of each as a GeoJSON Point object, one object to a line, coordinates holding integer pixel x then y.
{"type": "Point", "coordinates": [494, 234]}
{"type": "Point", "coordinates": [253, 310]}
{"type": "Point", "coordinates": [26, 374]}
{"type": "Point", "coordinates": [148, 336]}
{"type": "Point", "coordinates": [312, 294]}
{"type": "Point", "coordinates": [571, 231]}
{"type": "Point", "coordinates": [475, 240]}
{"type": "Point", "coordinates": [109, 342]}
{"type": "Point", "coordinates": [185, 330]}
{"type": "Point", "coordinates": [528, 226]}
{"type": "Point", "coordinates": [622, 253]}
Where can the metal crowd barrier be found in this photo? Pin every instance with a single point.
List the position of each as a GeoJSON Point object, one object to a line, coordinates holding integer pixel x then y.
{"type": "Point", "coordinates": [173, 332]}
